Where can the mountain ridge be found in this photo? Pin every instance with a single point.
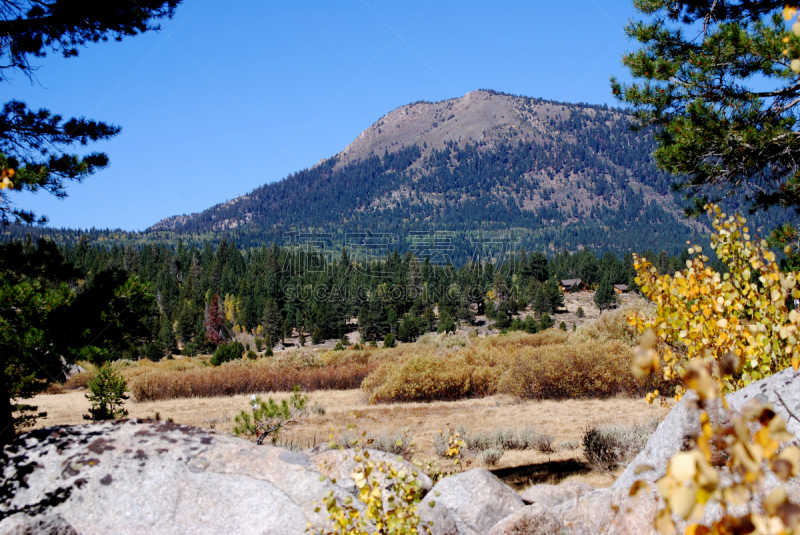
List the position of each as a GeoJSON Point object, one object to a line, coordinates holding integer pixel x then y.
{"type": "Point", "coordinates": [557, 164]}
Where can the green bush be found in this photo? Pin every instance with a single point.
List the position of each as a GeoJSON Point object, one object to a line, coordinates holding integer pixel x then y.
{"type": "Point", "coordinates": [106, 394]}
{"type": "Point", "coordinates": [580, 313]}
{"type": "Point", "coordinates": [562, 326]}
{"type": "Point", "coordinates": [190, 349]}
{"type": "Point", "coordinates": [154, 352]}
{"type": "Point", "coordinates": [267, 418]}
{"type": "Point", "coordinates": [227, 352]}
{"type": "Point", "coordinates": [252, 355]}
{"type": "Point", "coordinates": [389, 342]}
{"type": "Point", "coordinates": [259, 342]}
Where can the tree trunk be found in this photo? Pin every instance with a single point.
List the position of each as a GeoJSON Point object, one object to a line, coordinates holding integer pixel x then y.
{"type": "Point", "coordinates": [7, 432]}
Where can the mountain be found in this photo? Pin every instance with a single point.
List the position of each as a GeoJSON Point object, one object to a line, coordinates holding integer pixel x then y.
{"type": "Point", "coordinates": [487, 165]}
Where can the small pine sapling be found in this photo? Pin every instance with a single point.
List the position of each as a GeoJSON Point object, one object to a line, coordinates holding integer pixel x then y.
{"type": "Point", "coordinates": [268, 418]}
{"type": "Point", "coordinates": [107, 394]}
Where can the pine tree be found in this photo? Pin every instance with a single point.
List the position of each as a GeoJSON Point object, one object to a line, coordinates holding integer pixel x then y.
{"type": "Point", "coordinates": [36, 141]}
{"type": "Point", "coordinates": [215, 324]}
{"type": "Point", "coordinates": [725, 103]}
{"type": "Point", "coordinates": [446, 323]}
{"type": "Point", "coordinates": [605, 296]}
{"type": "Point", "coordinates": [409, 328]}
{"type": "Point", "coordinates": [106, 394]}
{"type": "Point", "coordinates": [316, 336]}
{"type": "Point", "coordinates": [503, 316]}
{"type": "Point", "coordinates": [272, 321]}
{"type": "Point", "coordinates": [540, 304]}
{"type": "Point", "coordinates": [166, 337]}
{"type": "Point", "coordinates": [555, 298]}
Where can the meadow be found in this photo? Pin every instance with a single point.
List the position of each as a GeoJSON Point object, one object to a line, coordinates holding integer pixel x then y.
{"type": "Point", "coordinates": [553, 387]}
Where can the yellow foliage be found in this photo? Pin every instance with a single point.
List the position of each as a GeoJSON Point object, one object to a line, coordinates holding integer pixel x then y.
{"type": "Point", "coordinates": [695, 477]}
{"type": "Point", "coordinates": [392, 511]}
{"type": "Point", "coordinates": [741, 316]}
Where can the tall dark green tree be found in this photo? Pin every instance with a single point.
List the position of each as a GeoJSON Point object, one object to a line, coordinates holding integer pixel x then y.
{"type": "Point", "coordinates": [272, 322]}
{"type": "Point", "coordinates": [605, 296]}
{"type": "Point", "coordinates": [35, 141]}
{"type": "Point", "coordinates": [713, 79]}
{"type": "Point", "coordinates": [34, 145]}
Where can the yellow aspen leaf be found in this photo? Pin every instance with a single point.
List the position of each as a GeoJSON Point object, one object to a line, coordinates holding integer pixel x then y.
{"type": "Point", "coordinates": [682, 501]}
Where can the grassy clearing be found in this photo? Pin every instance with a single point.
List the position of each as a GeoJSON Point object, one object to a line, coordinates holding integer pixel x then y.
{"type": "Point", "coordinates": [566, 421]}
{"type": "Point", "coordinates": [538, 366]}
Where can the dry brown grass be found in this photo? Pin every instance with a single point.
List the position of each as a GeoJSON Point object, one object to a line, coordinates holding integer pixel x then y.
{"type": "Point", "coordinates": [567, 420]}
{"type": "Point", "coordinates": [593, 362]}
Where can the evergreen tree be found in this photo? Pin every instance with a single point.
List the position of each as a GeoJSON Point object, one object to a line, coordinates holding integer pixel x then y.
{"type": "Point", "coordinates": [316, 336]}
{"type": "Point", "coordinates": [272, 322]}
{"type": "Point", "coordinates": [446, 323]}
{"type": "Point", "coordinates": [166, 337]}
{"type": "Point", "coordinates": [429, 320]}
{"type": "Point", "coordinates": [554, 296]}
{"type": "Point", "coordinates": [605, 296]}
{"type": "Point", "coordinates": [730, 120]}
{"type": "Point", "coordinates": [388, 342]}
{"type": "Point", "coordinates": [409, 328]}
{"type": "Point", "coordinates": [106, 394]}
{"type": "Point", "coordinates": [503, 316]}
{"type": "Point", "coordinates": [540, 303]}
{"type": "Point", "coordinates": [490, 311]}
{"type": "Point", "coordinates": [36, 141]}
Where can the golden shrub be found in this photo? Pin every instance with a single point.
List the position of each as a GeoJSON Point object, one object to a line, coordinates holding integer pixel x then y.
{"type": "Point", "coordinates": [573, 371]}
{"type": "Point", "coordinates": [708, 315]}
{"type": "Point", "coordinates": [519, 364]}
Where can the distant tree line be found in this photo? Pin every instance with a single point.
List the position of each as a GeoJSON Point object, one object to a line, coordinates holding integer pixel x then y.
{"type": "Point", "coordinates": [204, 296]}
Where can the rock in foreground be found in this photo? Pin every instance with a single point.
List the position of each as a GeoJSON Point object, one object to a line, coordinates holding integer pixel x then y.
{"type": "Point", "coordinates": [152, 477]}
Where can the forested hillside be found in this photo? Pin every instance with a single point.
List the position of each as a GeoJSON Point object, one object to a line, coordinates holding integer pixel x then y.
{"type": "Point", "coordinates": [486, 167]}
{"type": "Point", "coordinates": [205, 296]}
{"type": "Point", "coordinates": [561, 175]}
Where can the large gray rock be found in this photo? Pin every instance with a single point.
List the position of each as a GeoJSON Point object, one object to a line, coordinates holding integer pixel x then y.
{"type": "Point", "coordinates": [533, 519]}
{"type": "Point", "coordinates": [340, 464]}
{"type": "Point", "coordinates": [608, 511]}
{"type": "Point", "coordinates": [552, 495]}
{"type": "Point", "coordinates": [152, 477]}
{"type": "Point", "coordinates": [469, 503]}
{"type": "Point", "coordinates": [683, 422]}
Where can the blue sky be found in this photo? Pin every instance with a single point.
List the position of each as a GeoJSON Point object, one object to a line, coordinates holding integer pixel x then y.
{"type": "Point", "coordinates": [232, 95]}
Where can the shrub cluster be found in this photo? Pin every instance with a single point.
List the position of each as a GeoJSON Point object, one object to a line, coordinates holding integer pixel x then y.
{"type": "Point", "coordinates": [607, 447]}
{"type": "Point", "coordinates": [538, 366]}
{"type": "Point", "coordinates": [614, 325]}
{"type": "Point", "coordinates": [245, 377]}
{"type": "Point", "coordinates": [227, 353]}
